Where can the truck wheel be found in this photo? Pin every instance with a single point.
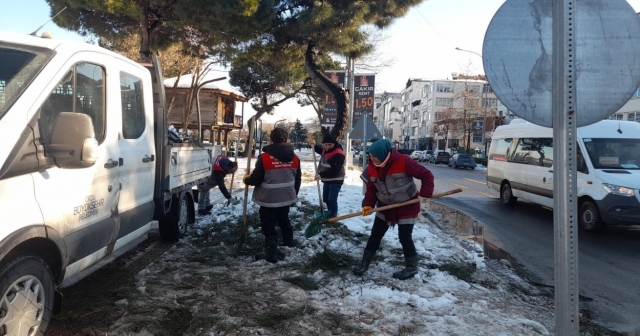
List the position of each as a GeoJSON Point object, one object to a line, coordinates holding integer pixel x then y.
{"type": "Point", "coordinates": [27, 296]}
{"type": "Point", "coordinates": [174, 225]}
{"type": "Point", "coordinates": [589, 217]}
{"type": "Point", "coordinates": [506, 195]}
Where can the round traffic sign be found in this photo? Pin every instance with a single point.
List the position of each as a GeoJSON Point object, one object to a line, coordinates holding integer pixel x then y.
{"type": "Point", "coordinates": [517, 57]}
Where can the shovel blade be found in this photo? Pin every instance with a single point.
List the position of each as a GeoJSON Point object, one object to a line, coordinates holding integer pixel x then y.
{"type": "Point", "coordinates": [322, 215]}
{"type": "Point", "coordinates": [313, 228]}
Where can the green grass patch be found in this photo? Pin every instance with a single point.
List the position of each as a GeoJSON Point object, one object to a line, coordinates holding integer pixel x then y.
{"type": "Point", "coordinates": [303, 281]}
{"type": "Point", "coordinates": [461, 271]}
{"type": "Point", "coordinates": [278, 315]}
{"type": "Point", "coordinates": [174, 322]}
{"type": "Point", "coordinates": [330, 261]}
{"type": "Point", "coordinates": [343, 322]}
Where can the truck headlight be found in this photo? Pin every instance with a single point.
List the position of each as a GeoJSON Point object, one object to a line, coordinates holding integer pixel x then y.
{"type": "Point", "coordinates": [617, 190]}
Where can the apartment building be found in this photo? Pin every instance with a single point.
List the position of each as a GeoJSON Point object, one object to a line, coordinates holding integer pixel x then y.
{"type": "Point", "coordinates": [630, 111]}
{"type": "Point", "coordinates": [439, 114]}
{"type": "Point", "coordinates": [387, 116]}
{"type": "Point", "coordinates": [411, 113]}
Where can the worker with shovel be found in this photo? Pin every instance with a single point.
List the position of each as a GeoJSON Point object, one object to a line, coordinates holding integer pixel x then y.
{"type": "Point", "coordinates": [221, 167]}
{"type": "Point", "coordinates": [389, 177]}
{"type": "Point", "coordinates": [330, 171]}
{"type": "Point", "coordinates": [277, 178]}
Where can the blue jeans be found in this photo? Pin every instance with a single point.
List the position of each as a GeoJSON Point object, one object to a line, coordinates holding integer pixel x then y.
{"type": "Point", "coordinates": [330, 193]}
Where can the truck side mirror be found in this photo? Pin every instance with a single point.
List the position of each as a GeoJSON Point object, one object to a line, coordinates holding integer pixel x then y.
{"type": "Point", "coordinates": [73, 144]}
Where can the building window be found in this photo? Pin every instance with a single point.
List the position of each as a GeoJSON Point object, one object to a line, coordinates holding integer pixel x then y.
{"type": "Point", "coordinates": [425, 90]}
{"type": "Point", "coordinates": [444, 102]}
{"type": "Point", "coordinates": [634, 116]}
{"type": "Point", "coordinates": [616, 116]}
{"type": "Point", "coordinates": [473, 89]}
{"type": "Point", "coordinates": [486, 88]}
{"type": "Point", "coordinates": [438, 115]}
{"type": "Point", "coordinates": [444, 88]}
{"type": "Point", "coordinates": [490, 102]}
{"type": "Point", "coordinates": [471, 103]}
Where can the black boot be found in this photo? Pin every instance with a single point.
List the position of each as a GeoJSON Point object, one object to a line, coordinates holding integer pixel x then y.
{"type": "Point", "coordinates": [287, 234]}
{"type": "Point", "coordinates": [271, 250]}
{"type": "Point", "coordinates": [288, 241]}
{"type": "Point", "coordinates": [364, 264]}
{"type": "Point", "coordinates": [409, 271]}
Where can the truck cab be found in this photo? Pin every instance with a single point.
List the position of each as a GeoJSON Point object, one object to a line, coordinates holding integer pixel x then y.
{"type": "Point", "coordinates": [85, 167]}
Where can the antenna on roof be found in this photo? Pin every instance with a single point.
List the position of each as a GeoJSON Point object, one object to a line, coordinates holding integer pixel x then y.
{"type": "Point", "coordinates": [619, 130]}
{"type": "Point", "coordinates": [36, 31]}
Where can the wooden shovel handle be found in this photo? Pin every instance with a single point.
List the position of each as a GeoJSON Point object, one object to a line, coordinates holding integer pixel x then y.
{"type": "Point", "coordinates": [393, 206]}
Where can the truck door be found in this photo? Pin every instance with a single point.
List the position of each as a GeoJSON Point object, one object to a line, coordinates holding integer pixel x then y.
{"type": "Point", "coordinates": [137, 151]}
{"type": "Point", "coordinates": [79, 203]}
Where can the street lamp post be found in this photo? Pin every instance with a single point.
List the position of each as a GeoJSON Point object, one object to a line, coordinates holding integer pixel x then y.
{"type": "Point", "coordinates": [486, 102]}
{"type": "Point", "coordinates": [276, 124]}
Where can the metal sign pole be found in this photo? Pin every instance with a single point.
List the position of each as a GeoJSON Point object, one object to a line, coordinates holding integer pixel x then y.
{"type": "Point", "coordinates": [364, 147]}
{"type": "Point", "coordinates": [564, 175]}
{"type": "Point", "coordinates": [351, 80]}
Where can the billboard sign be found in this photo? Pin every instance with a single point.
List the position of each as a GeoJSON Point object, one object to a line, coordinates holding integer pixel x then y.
{"type": "Point", "coordinates": [330, 112]}
{"type": "Point", "coordinates": [363, 100]}
{"type": "Point", "coordinates": [477, 130]}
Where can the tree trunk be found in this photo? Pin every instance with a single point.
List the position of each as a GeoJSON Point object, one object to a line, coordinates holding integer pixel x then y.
{"type": "Point", "coordinates": [174, 93]}
{"type": "Point", "coordinates": [145, 40]}
{"type": "Point", "coordinates": [341, 95]}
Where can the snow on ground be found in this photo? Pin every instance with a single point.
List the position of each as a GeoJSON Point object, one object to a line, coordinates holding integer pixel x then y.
{"type": "Point", "coordinates": [493, 302]}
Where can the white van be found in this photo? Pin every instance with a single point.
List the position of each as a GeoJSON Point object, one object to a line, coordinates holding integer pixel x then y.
{"type": "Point", "coordinates": [521, 166]}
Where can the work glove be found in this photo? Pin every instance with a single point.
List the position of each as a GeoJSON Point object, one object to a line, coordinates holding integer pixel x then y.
{"type": "Point", "coordinates": [366, 210]}
{"type": "Point", "coordinates": [312, 142]}
{"type": "Point", "coordinates": [316, 177]}
{"type": "Point", "coordinates": [244, 178]}
{"type": "Point", "coordinates": [232, 200]}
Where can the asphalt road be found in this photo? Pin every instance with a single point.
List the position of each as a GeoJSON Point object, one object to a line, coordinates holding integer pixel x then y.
{"type": "Point", "coordinates": [609, 262]}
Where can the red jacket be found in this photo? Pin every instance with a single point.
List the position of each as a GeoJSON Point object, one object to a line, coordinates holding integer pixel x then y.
{"type": "Point", "coordinates": [413, 169]}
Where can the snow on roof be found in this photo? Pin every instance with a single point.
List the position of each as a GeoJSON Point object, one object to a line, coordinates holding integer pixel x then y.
{"type": "Point", "coordinates": [223, 85]}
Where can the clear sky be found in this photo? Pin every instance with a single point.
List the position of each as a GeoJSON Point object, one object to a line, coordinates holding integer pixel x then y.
{"type": "Point", "coordinates": [422, 43]}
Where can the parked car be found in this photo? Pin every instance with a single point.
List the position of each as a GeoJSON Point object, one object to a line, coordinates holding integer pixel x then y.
{"type": "Point", "coordinates": [462, 160]}
{"type": "Point", "coordinates": [416, 155]}
{"type": "Point", "coordinates": [440, 157]}
{"type": "Point", "coordinates": [424, 157]}
{"type": "Point", "coordinates": [405, 151]}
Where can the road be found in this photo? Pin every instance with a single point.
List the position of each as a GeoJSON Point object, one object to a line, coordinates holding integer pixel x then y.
{"type": "Point", "coordinates": [609, 262]}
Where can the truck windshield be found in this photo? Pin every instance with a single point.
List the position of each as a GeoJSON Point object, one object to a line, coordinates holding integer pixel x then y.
{"type": "Point", "coordinates": [613, 153]}
{"type": "Point", "coordinates": [19, 66]}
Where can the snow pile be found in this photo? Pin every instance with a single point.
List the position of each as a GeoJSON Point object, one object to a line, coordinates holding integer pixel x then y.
{"type": "Point", "coordinates": [224, 295]}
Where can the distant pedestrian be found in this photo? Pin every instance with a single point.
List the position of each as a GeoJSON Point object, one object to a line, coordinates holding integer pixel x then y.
{"type": "Point", "coordinates": [389, 177]}
{"type": "Point", "coordinates": [330, 171]}
{"type": "Point", "coordinates": [277, 178]}
{"type": "Point", "coordinates": [221, 167]}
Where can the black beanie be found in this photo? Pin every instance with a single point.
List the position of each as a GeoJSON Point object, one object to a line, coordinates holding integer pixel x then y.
{"type": "Point", "coordinates": [328, 138]}
{"type": "Point", "coordinates": [278, 135]}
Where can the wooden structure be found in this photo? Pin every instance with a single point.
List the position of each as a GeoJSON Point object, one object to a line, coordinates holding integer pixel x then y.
{"type": "Point", "coordinates": [218, 102]}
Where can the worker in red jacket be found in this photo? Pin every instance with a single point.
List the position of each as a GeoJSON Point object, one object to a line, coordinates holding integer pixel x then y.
{"type": "Point", "coordinates": [277, 177]}
{"type": "Point", "coordinates": [221, 167]}
{"type": "Point", "coordinates": [389, 180]}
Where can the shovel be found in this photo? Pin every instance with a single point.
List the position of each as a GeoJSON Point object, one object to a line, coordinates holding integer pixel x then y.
{"type": "Point", "coordinates": [319, 214]}
{"type": "Point", "coordinates": [243, 227]}
{"type": "Point", "coordinates": [315, 226]}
